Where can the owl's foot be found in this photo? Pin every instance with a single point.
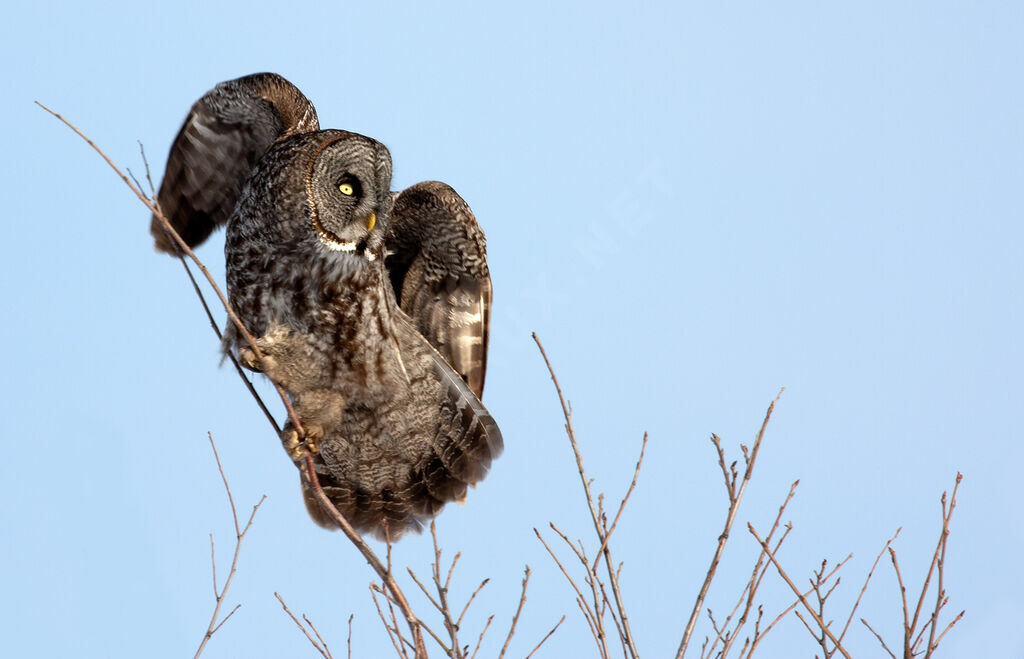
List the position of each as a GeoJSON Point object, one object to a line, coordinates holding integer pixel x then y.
{"type": "Point", "coordinates": [267, 365]}
{"type": "Point", "coordinates": [297, 447]}
{"type": "Point", "coordinates": [247, 358]}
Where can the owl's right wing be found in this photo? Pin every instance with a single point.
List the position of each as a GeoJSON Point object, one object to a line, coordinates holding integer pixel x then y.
{"type": "Point", "coordinates": [224, 136]}
{"type": "Point", "coordinates": [437, 260]}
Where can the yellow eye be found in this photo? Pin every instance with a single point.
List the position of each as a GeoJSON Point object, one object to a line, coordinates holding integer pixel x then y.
{"type": "Point", "coordinates": [346, 189]}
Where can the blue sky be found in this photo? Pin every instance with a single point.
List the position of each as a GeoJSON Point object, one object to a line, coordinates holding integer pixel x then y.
{"type": "Point", "coordinates": [693, 205]}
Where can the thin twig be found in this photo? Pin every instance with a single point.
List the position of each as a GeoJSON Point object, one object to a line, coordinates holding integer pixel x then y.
{"type": "Point", "coordinates": [458, 623]}
{"type": "Point", "coordinates": [803, 600]}
{"type": "Point", "coordinates": [149, 177]}
{"type": "Point", "coordinates": [596, 588]}
{"type": "Point", "coordinates": [809, 629]}
{"type": "Point", "coordinates": [322, 649]}
{"type": "Point", "coordinates": [589, 615]}
{"type": "Point", "coordinates": [230, 355]}
{"type": "Point", "coordinates": [735, 497]}
{"type": "Point", "coordinates": [320, 638]}
{"type": "Point", "coordinates": [183, 246]}
{"type": "Point", "coordinates": [239, 537]}
{"type": "Point", "coordinates": [393, 634]}
{"type": "Point", "coordinates": [206, 307]}
{"type": "Point", "coordinates": [519, 609]}
{"type": "Point", "coordinates": [928, 576]}
{"type": "Point", "coordinates": [442, 592]}
{"type": "Point", "coordinates": [907, 629]}
{"type": "Point", "coordinates": [940, 552]}
{"type": "Point", "coordinates": [221, 623]}
{"type": "Point", "coordinates": [387, 597]}
{"type": "Point", "coordinates": [866, 581]}
{"type": "Point", "coordinates": [601, 535]}
{"type": "Point", "coordinates": [134, 180]}
{"type": "Point", "coordinates": [758, 637]}
{"type": "Point", "coordinates": [423, 589]}
{"type": "Point", "coordinates": [348, 641]}
{"type": "Point", "coordinates": [750, 591]}
{"type": "Point", "coordinates": [593, 630]}
{"type": "Point", "coordinates": [622, 504]}
{"type": "Point", "coordinates": [546, 636]}
{"type": "Point", "coordinates": [955, 620]}
{"type": "Point", "coordinates": [880, 640]}
{"type": "Point", "coordinates": [480, 639]}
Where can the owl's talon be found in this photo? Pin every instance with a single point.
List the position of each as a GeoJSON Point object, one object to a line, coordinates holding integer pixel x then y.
{"type": "Point", "coordinates": [312, 439]}
{"type": "Point", "coordinates": [298, 447]}
{"type": "Point", "coordinates": [247, 358]}
{"type": "Point", "coordinates": [293, 445]}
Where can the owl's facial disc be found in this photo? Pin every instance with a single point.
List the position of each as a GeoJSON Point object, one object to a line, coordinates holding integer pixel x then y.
{"type": "Point", "coordinates": [343, 185]}
{"type": "Point", "coordinates": [343, 229]}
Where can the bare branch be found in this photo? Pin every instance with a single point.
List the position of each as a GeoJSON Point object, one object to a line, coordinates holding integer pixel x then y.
{"type": "Point", "coordinates": [866, 581]}
{"type": "Point", "coordinates": [622, 504]}
{"type": "Point", "coordinates": [151, 205]}
{"type": "Point", "coordinates": [231, 357]}
{"type": "Point", "coordinates": [149, 178]}
{"type": "Point", "coordinates": [884, 646]}
{"type": "Point", "coordinates": [423, 589]}
{"type": "Point", "coordinates": [595, 517]}
{"type": "Point", "coordinates": [442, 592]}
{"type": "Point", "coordinates": [224, 479]}
{"type": "Point", "coordinates": [907, 629]}
{"type": "Point", "coordinates": [750, 591]}
{"type": "Point", "coordinates": [348, 641]}
{"type": "Point", "coordinates": [948, 627]}
{"type": "Point", "coordinates": [584, 607]}
{"type": "Point", "coordinates": [519, 609]}
{"type": "Point", "coordinates": [322, 649]}
{"type": "Point", "coordinates": [735, 497]}
{"type": "Point", "coordinates": [782, 573]}
{"type": "Point", "coordinates": [480, 640]}
{"type": "Point", "coordinates": [596, 587]}
{"type": "Point", "coordinates": [393, 634]}
{"type": "Point", "coordinates": [547, 636]}
{"type": "Point", "coordinates": [239, 537]}
{"type": "Point", "coordinates": [940, 560]}
{"type": "Point", "coordinates": [221, 623]}
{"type": "Point", "coordinates": [458, 623]}
{"type": "Point", "coordinates": [320, 638]}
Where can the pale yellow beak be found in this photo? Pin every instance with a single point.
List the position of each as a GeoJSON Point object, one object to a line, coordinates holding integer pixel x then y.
{"type": "Point", "coordinates": [371, 221]}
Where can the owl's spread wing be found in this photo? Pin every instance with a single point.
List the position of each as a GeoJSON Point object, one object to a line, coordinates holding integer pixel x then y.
{"type": "Point", "coordinates": [438, 266]}
{"type": "Point", "coordinates": [225, 134]}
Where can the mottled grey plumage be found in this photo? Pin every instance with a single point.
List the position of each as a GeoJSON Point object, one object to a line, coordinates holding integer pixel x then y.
{"type": "Point", "coordinates": [319, 251]}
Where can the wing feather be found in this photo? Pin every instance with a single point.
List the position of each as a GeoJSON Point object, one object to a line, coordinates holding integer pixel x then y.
{"type": "Point", "coordinates": [226, 133]}
{"type": "Point", "coordinates": [438, 268]}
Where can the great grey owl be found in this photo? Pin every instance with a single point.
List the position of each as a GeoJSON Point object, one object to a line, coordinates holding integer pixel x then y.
{"type": "Point", "coordinates": [370, 308]}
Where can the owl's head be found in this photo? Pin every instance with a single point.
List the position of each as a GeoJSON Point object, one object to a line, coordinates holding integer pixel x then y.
{"type": "Point", "coordinates": [348, 186]}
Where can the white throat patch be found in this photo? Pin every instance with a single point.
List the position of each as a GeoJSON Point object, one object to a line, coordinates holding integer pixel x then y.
{"type": "Point", "coordinates": [344, 246]}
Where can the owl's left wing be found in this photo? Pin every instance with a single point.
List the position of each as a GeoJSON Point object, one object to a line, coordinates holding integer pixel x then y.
{"type": "Point", "coordinates": [437, 260]}
{"type": "Point", "coordinates": [225, 134]}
